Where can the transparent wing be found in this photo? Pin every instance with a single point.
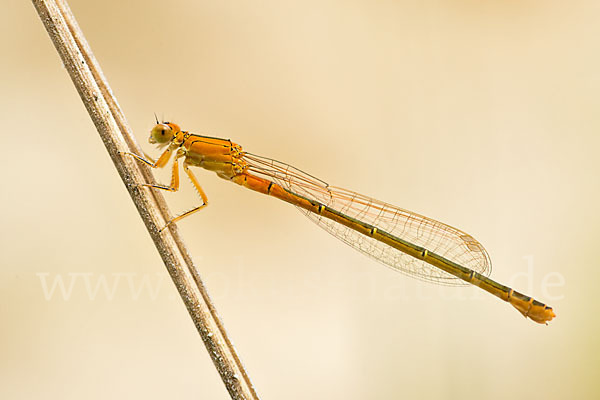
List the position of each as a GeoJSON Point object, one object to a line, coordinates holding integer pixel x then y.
{"type": "Point", "coordinates": [435, 236]}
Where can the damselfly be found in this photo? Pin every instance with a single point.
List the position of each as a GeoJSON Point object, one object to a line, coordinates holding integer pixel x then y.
{"type": "Point", "coordinates": [404, 241]}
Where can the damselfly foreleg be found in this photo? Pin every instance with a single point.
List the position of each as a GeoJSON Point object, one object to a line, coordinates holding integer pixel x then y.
{"type": "Point", "coordinates": [174, 186]}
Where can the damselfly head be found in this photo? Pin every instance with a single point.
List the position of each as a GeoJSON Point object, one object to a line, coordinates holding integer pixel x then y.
{"type": "Point", "coordinates": [163, 133]}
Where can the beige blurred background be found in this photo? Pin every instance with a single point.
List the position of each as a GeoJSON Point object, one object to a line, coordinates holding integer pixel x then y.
{"type": "Point", "coordinates": [483, 115]}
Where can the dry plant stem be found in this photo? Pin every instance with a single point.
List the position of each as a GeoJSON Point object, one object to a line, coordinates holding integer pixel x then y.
{"type": "Point", "coordinates": [116, 135]}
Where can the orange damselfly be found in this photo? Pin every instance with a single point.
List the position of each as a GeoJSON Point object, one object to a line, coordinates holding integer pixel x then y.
{"type": "Point", "coordinates": [404, 241]}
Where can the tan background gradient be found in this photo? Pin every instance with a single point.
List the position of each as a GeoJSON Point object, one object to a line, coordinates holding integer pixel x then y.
{"type": "Point", "coordinates": [483, 115]}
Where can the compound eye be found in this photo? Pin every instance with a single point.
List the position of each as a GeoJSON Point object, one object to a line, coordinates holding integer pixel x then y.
{"type": "Point", "coordinates": [161, 133]}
